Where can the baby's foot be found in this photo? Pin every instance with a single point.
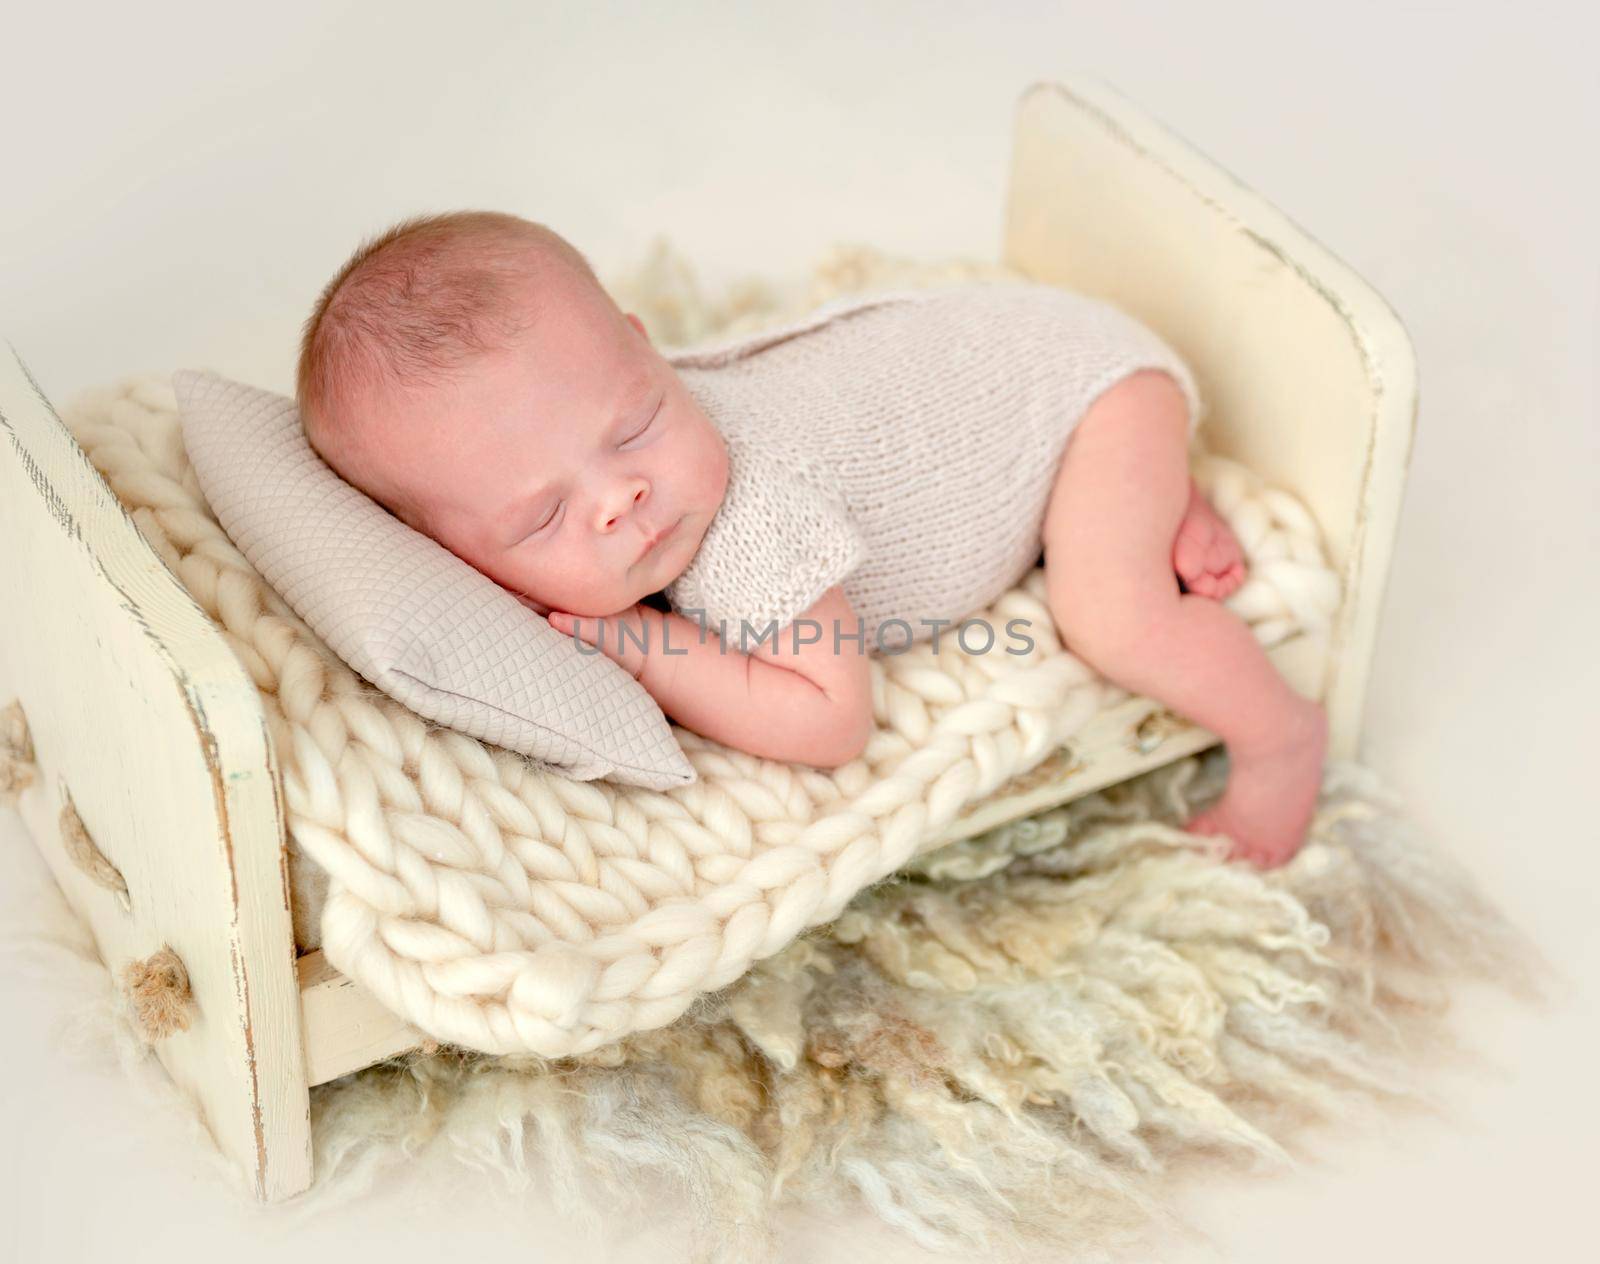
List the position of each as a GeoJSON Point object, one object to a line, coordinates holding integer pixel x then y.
{"type": "Point", "coordinates": [1205, 552]}
{"type": "Point", "coordinates": [1271, 796]}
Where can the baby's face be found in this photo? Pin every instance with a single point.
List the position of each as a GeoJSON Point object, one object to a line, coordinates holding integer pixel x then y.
{"type": "Point", "coordinates": [573, 469]}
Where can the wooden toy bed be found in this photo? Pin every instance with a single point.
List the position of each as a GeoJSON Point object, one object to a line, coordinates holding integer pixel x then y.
{"type": "Point", "coordinates": [141, 716]}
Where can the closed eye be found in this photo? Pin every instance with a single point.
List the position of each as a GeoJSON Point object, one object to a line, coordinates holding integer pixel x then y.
{"type": "Point", "coordinates": [551, 517]}
{"type": "Point", "coordinates": [639, 432]}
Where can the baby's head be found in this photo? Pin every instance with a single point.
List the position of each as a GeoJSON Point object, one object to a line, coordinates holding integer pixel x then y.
{"type": "Point", "coordinates": [469, 373]}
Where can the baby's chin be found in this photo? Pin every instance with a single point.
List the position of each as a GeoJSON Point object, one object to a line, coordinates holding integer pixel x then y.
{"type": "Point", "coordinates": [656, 598]}
{"type": "Point", "coordinates": [647, 587]}
{"type": "Point", "coordinates": [596, 606]}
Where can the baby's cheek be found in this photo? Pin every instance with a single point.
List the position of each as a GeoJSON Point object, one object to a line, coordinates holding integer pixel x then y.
{"type": "Point", "coordinates": [585, 590]}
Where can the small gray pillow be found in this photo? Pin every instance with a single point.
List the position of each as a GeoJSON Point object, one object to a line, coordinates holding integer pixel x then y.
{"type": "Point", "coordinates": [404, 612]}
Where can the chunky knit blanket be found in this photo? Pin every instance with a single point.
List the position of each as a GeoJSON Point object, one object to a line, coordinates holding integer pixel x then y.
{"type": "Point", "coordinates": [501, 907]}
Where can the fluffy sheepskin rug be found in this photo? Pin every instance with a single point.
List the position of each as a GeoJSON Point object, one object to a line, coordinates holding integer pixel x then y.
{"type": "Point", "coordinates": [1019, 1042]}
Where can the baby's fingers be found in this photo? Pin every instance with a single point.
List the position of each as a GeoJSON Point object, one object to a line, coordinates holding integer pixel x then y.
{"type": "Point", "coordinates": [592, 630]}
{"type": "Point", "coordinates": [561, 621]}
{"type": "Point", "coordinates": [622, 638]}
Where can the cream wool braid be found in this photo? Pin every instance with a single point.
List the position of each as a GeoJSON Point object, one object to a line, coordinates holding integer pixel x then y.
{"type": "Point", "coordinates": [502, 907]}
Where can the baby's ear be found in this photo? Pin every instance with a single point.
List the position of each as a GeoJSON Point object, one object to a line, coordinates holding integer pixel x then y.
{"type": "Point", "coordinates": [638, 324]}
{"type": "Point", "coordinates": [535, 606]}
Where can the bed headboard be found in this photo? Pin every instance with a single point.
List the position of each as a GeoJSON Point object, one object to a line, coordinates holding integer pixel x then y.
{"type": "Point", "coordinates": [149, 728]}
{"type": "Point", "coordinates": [1308, 375]}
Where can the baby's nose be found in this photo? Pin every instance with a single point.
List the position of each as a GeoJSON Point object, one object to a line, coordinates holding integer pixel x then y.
{"type": "Point", "coordinates": [630, 498]}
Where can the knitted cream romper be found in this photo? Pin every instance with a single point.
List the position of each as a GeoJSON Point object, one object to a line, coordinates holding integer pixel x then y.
{"type": "Point", "coordinates": [901, 444]}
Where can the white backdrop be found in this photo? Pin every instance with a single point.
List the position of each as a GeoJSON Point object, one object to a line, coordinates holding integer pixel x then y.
{"type": "Point", "coordinates": [181, 180]}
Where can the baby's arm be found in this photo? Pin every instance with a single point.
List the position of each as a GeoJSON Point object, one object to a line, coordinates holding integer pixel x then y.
{"type": "Point", "coordinates": [810, 705]}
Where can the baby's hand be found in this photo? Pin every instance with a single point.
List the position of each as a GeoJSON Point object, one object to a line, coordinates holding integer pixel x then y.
{"type": "Point", "coordinates": [620, 637]}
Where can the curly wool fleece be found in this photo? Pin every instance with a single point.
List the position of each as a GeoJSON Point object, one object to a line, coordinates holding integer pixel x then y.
{"type": "Point", "coordinates": [1027, 1041]}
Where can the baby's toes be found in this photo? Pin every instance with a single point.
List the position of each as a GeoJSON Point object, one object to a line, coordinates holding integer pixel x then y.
{"type": "Point", "coordinates": [1190, 550]}
{"type": "Point", "coordinates": [1222, 551]}
{"type": "Point", "coordinates": [1229, 582]}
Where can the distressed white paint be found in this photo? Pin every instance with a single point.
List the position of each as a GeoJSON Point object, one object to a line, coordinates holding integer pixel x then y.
{"type": "Point", "coordinates": [135, 703]}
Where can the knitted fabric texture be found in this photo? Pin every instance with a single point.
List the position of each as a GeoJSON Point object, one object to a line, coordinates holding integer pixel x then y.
{"type": "Point", "coordinates": [498, 905]}
{"type": "Point", "coordinates": [903, 445]}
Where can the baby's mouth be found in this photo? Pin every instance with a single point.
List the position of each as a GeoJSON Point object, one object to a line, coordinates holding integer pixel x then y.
{"type": "Point", "coordinates": [654, 545]}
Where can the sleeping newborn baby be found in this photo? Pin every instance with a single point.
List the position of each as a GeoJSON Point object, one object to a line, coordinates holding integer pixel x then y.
{"type": "Point", "coordinates": [741, 525]}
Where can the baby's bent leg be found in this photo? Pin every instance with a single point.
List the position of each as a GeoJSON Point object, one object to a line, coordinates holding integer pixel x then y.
{"type": "Point", "coordinates": [1116, 505]}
